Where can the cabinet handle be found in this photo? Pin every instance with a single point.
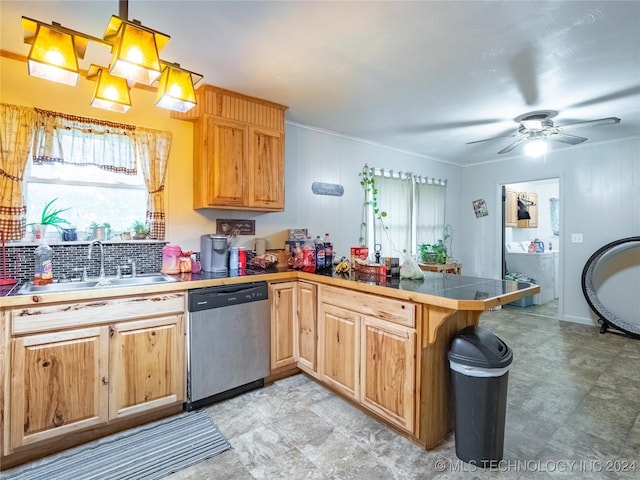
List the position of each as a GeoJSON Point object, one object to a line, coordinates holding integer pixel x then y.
{"type": "Point", "coordinates": [105, 380]}
{"type": "Point", "coordinates": [111, 331]}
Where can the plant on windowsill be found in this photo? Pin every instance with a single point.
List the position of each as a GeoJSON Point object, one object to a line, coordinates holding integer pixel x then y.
{"type": "Point", "coordinates": [50, 216]}
{"type": "Point", "coordinates": [432, 252]}
{"type": "Point", "coordinates": [140, 230]}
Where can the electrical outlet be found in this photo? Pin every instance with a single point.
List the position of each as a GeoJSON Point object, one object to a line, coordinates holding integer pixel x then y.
{"type": "Point", "coordinates": [576, 238]}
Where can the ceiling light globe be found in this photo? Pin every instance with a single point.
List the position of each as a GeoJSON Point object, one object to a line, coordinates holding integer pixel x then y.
{"type": "Point", "coordinates": [536, 148]}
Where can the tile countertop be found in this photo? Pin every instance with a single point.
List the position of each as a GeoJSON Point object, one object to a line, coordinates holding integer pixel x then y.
{"type": "Point", "coordinates": [454, 291]}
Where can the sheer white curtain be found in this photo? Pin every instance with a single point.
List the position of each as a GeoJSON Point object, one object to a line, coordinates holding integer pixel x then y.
{"type": "Point", "coordinates": [415, 208]}
{"type": "Point", "coordinates": [429, 210]}
{"type": "Point", "coordinates": [393, 233]}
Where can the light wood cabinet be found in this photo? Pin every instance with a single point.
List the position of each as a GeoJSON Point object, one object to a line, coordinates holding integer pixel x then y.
{"type": "Point", "coordinates": [307, 314]}
{"type": "Point", "coordinates": [238, 151]}
{"type": "Point", "coordinates": [80, 365]}
{"type": "Point", "coordinates": [339, 347]}
{"type": "Point", "coordinates": [146, 367]}
{"type": "Point", "coordinates": [388, 370]}
{"type": "Point", "coordinates": [531, 201]}
{"type": "Point", "coordinates": [367, 351]}
{"type": "Point", "coordinates": [59, 384]}
{"type": "Point", "coordinates": [284, 345]}
{"type": "Point", "coordinates": [511, 209]}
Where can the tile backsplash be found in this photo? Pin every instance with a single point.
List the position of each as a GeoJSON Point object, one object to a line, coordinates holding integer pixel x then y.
{"type": "Point", "coordinates": [69, 258]}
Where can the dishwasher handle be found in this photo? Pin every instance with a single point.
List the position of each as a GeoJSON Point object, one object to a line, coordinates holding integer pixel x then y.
{"type": "Point", "coordinates": [223, 296]}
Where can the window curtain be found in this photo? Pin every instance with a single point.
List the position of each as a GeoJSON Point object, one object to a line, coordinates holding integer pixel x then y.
{"type": "Point", "coordinates": [393, 233]}
{"type": "Point", "coordinates": [16, 136]}
{"type": "Point", "coordinates": [415, 208]}
{"type": "Point", "coordinates": [87, 141]}
{"type": "Point", "coordinates": [152, 152]}
{"type": "Point", "coordinates": [429, 210]}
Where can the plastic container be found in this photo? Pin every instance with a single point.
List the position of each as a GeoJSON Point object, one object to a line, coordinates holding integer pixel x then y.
{"type": "Point", "coordinates": [43, 272]}
{"type": "Point", "coordinates": [233, 258]}
{"type": "Point", "coordinates": [479, 362]}
{"type": "Point", "coordinates": [320, 253]}
{"type": "Point", "coordinates": [242, 258]}
{"type": "Point", "coordinates": [171, 259]}
{"type": "Point", "coordinates": [308, 256]}
{"type": "Point", "coordinates": [539, 245]}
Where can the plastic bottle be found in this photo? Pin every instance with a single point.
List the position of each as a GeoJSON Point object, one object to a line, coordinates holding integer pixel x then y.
{"type": "Point", "coordinates": [320, 253]}
{"type": "Point", "coordinates": [328, 251]}
{"type": "Point", "coordinates": [308, 256]}
{"type": "Point", "coordinates": [43, 273]}
{"type": "Point", "coordinates": [532, 247]}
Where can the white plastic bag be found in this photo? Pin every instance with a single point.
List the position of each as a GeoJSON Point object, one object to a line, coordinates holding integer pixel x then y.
{"type": "Point", "coordinates": [410, 268]}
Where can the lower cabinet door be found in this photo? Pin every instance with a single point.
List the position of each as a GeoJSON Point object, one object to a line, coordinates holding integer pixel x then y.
{"type": "Point", "coordinates": [339, 349]}
{"type": "Point", "coordinates": [388, 371]}
{"type": "Point", "coordinates": [307, 321]}
{"type": "Point", "coordinates": [59, 384]}
{"type": "Point", "coordinates": [147, 365]}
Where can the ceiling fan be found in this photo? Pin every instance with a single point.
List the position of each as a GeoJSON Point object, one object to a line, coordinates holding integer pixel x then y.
{"type": "Point", "coordinates": [538, 125]}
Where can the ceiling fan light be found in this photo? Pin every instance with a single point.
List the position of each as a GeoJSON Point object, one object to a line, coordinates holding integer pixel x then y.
{"type": "Point", "coordinates": [111, 92]}
{"type": "Point", "coordinates": [536, 147]}
{"type": "Point", "coordinates": [53, 56]}
{"type": "Point", "coordinates": [135, 51]}
{"type": "Point", "coordinates": [175, 91]}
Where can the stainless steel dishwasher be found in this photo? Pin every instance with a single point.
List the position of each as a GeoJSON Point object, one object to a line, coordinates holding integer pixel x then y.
{"type": "Point", "coordinates": [228, 347]}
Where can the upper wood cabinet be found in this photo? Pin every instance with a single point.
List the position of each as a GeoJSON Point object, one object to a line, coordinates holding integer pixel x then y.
{"type": "Point", "coordinates": [238, 151]}
{"type": "Point", "coordinates": [531, 201]}
{"type": "Point", "coordinates": [511, 209]}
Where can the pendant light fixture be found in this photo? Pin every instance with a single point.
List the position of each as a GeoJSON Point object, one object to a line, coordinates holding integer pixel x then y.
{"type": "Point", "coordinates": [111, 92]}
{"type": "Point", "coordinates": [135, 50]}
{"type": "Point", "coordinates": [175, 91]}
{"type": "Point", "coordinates": [55, 51]}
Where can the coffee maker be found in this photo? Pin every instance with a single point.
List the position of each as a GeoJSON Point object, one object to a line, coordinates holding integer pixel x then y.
{"type": "Point", "coordinates": [214, 249]}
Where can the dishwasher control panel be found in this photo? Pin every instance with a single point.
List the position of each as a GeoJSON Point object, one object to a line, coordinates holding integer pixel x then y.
{"type": "Point", "coordinates": [223, 296]}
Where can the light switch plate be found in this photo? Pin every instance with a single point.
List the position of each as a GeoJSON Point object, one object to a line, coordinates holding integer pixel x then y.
{"type": "Point", "coordinates": [576, 238]}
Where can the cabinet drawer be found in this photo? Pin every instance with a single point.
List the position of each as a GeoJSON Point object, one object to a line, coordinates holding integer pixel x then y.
{"type": "Point", "coordinates": [397, 311]}
{"type": "Point", "coordinates": [59, 316]}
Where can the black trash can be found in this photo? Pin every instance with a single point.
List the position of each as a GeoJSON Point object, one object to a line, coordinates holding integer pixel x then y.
{"type": "Point", "coordinates": [479, 362]}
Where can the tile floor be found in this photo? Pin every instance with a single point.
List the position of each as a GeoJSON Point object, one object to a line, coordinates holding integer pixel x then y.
{"type": "Point", "coordinates": [573, 411]}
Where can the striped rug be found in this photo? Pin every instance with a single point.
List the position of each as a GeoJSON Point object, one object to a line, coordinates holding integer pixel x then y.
{"type": "Point", "coordinates": [151, 451]}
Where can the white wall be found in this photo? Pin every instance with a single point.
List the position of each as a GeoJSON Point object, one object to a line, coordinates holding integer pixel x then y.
{"type": "Point", "coordinates": [600, 191]}
{"type": "Point", "coordinates": [313, 155]}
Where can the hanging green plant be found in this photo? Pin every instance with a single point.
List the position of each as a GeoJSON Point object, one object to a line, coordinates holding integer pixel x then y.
{"type": "Point", "coordinates": [368, 184]}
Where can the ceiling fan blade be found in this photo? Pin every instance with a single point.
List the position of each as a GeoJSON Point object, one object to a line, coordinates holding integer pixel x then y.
{"type": "Point", "coordinates": [523, 70]}
{"type": "Point", "coordinates": [492, 138]}
{"type": "Point", "coordinates": [590, 123]}
{"type": "Point", "coordinates": [566, 138]}
{"type": "Point", "coordinates": [515, 144]}
{"type": "Point", "coordinates": [627, 92]}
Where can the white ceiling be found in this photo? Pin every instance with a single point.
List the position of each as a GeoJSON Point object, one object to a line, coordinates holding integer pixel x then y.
{"type": "Point", "coordinates": [423, 76]}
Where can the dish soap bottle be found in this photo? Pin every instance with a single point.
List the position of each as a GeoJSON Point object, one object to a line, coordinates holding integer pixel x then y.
{"type": "Point", "coordinates": [43, 273]}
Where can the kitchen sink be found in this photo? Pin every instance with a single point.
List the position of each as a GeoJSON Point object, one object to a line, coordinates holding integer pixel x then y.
{"type": "Point", "coordinates": [96, 283]}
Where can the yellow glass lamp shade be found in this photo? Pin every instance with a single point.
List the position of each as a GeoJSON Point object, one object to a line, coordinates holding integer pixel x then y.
{"type": "Point", "coordinates": [135, 51]}
{"type": "Point", "coordinates": [53, 56]}
{"type": "Point", "coordinates": [175, 91]}
{"type": "Point", "coordinates": [111, 92]}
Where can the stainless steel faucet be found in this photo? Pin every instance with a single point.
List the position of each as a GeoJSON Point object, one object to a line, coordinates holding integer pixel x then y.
{"type": "Point", "coordinates": [101, 255]}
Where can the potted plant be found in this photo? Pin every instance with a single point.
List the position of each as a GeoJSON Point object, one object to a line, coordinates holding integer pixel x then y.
{"type": "Point", "coordinates": [50, 216]}
{"type": "Point", "coordinates": [433, 252]}
{"type": "Point", "coordinates": [140, 230]}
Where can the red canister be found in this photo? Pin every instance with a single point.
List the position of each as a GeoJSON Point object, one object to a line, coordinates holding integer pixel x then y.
{"type": "Point", "coordinates": [242, 258]}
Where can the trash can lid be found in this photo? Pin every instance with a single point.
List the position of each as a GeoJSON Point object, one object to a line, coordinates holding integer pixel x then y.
{"type": "Point", "coordinates": [476, 346]}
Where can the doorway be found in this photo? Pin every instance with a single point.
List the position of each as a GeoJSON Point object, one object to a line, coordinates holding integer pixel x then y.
{"type": "Point", "coordinates": [539, 221]}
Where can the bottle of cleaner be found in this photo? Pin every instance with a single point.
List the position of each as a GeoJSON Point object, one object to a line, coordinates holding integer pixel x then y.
{"type": "Point", "coordinates": [43, 273]}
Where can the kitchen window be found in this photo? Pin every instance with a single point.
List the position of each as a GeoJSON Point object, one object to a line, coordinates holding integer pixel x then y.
{"type": "Point", "coordinates": [414, 206]}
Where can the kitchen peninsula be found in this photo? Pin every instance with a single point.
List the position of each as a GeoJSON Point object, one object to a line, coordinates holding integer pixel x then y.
{"type": "Point", "coordinates": [380, 342]}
